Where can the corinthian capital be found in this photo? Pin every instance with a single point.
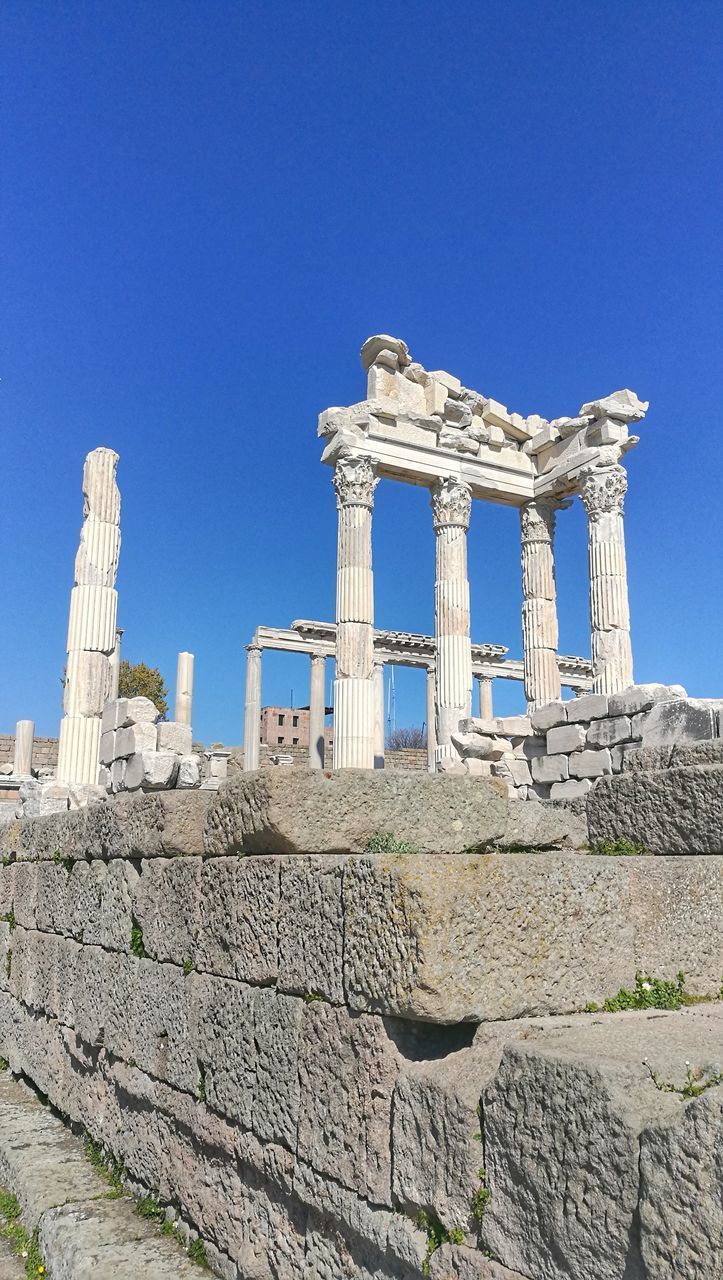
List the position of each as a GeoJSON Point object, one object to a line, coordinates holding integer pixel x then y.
{"type": "Point", "coordinates": [355, 481]}
{"type": "Point", "coordinates": [603, 491]}
{"type": "Point", "coordinates": [537, 521]}
{"type": "Point", "coordinates": [451, 503]}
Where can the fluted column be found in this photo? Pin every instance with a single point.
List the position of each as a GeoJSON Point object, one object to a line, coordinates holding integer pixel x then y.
{"type": "Point", "coordinates": [484, 697]}
{"type": "Point", "coordinates": [24, 735]}
{"type": "Point", "coordinates": [184, 688]}
{"type": "Point", "coordinates": [354, 689]}
{"type": "Point", "coordinates": [379, 715]}
{"type": "Point", "coordinates": [431, 713]}
{"type": "Point", "coordinates": [317, 711]}
{"type": "Point", "coordinates": [252, 708]}
{"type": "Point", "coordinates": [92, 622]}
{"type": "Point", "coordinates": [603, 494]}
{"type": "Point", "coordinates": [451, 506]}
{"type": "Point", "coordinates": [539, 608]}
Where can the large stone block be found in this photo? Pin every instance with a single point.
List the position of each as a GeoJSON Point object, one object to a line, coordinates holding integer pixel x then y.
{"type": "Point", "coordinates": [547, 717]}
{"type": "Point", "coordinates": [550, 769]}
{"type": "Point", "coordinates": [348, 1067]}
{"type": "Point", "coordinates": [568, 737]}
{"type": "Point", "coordinates": [277, 1023]}
{"type": "Point", "coordinates": [503, 936]}
{"type": "Point", "coordinates": [607, 733]}
{"type": "Point", "coordinates": [589, 706]}
{"type": "Point", "coordinates": [566, 1123]}
{"type": "Point", "coordinates": [167, 907]}
{"type": "Point", "coordinates": [225, 1046]}
{"type": "Point", "coordinates": [239, 909]}
{"type": "Point", "coordinates": [311, 927]}
{"type": "Point", "coordinates": [173, 736]}
{"type": "Point", "coordinates": [590, 764]}
{"type": "Point", "coordinates": [677, 810]}
{"type": "Point", "coordinates": [640, 697]}
{"type": "Point", "coordinates": [134, 738]}
{"type": "Point", "coordinates": [309, 811]}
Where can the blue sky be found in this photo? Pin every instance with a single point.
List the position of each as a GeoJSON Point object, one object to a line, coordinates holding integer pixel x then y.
{"type": "Point", "coordinates": [207, 207]}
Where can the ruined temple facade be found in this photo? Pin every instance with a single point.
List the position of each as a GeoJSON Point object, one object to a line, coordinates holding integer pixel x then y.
{"type": "Point", "coordinates": [425, 428]}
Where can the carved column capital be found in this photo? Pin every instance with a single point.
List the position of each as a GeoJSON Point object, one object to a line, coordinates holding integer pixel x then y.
{"type": "Point", "coordinates": [537, 520]}
{"type": "Point", "coordinates": [355, 480]}
{"type": "Point", "coordinates": [603, 491]}
{"type": "Point", "coordinates": [451, 503]}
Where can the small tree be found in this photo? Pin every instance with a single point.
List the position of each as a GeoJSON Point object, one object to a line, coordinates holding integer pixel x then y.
{"type": "Point", "coordinates": [399, 739]}
{"type": "Point", "coordinates": [140, 681]}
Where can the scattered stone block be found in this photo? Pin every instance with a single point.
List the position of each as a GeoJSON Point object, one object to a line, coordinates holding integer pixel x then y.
{"type": "Point", "coordinates": [107, 747]}
{"type": "Point", "coordinates": [566, 738]}
{"type": "Point", "coordinates": [607, 733]}
{"type": "Point", "coordinates": [160, 769]}
{"type": "Point", "coordinates": [114, 715]}
{"type": "Point", "coordinates": [550, 769]}
{"type": "Point", "coordinates": [189, 771]}
{"type": "Point", "coordinates": [589, 706]}
{"type": "Point", "coordinates": [174, 736]}
{"type": "Point", "coordinates": [590, 764]}
{"type": "Point", "coordinates": [639, 697]}
{"type": "Point", "coordinates": [570, 790]}
{"type": "Point", "coordinates": [140, 711]}
{"type": "Point", "coordinates": [684, 720]}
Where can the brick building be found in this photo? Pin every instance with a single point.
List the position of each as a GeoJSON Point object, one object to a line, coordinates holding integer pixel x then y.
{"type": "Point", "coordinates": [283, 727]}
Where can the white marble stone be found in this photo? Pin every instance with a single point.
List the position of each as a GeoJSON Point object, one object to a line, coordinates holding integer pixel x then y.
{"type": "Point", "coordinates": [184, 689]}
{"type": "Point", "coordinates": [451, 507]}
{"type": "Point", "coordinates": [172, 736]}
{"type": "Point", "coordinates": [354, 691]}
{"type": "Point", "coordinates": [252, 711]}
{"type": "Point", "coordinates": [24, 736]}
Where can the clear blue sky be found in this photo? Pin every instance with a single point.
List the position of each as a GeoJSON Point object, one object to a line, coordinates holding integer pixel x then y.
{"type": "Point", "coordinates": [208, 206]}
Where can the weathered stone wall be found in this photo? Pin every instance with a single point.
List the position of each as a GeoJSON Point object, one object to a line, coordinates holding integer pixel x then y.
{"type": "Point", "coordinates": [408, 758]}
{"type": "Point", "coordinates": [45, 751]}
{"type": "Point", "coordinates": [303, 1051]}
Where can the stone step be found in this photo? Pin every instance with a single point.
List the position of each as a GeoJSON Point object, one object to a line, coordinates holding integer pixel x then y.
{"type": "Point", "coordinates": [82, 1233]}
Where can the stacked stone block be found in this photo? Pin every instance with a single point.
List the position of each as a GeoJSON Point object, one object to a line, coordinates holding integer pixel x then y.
{"type": "Point", "coordinates": [560, 751]}
{"type": "Point", "coordinates": [141, 752]}
{"type": "Point", "coordinates": [302, 1053]}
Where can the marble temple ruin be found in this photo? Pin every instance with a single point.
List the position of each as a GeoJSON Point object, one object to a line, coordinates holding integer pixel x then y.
{"type": "Point", "coordinates": [425, 428]}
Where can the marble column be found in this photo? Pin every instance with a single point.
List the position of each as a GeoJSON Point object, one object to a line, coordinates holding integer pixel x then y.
{"type": "Point", "coordinates": [539, 608]}
{"type": "Point", "coordinates": [603, 494]}
{"type": "Point", "coordinates": [451, 506]}
{"type": "Point", "coordinates": [92, 622]}
{"type": "Point", "coordinates": [484, 697]}
{"type": "Point", "coordinates": [354, 688]}
{"type": "Point", "coordinates": [379, 715]}
{"type": "Point", "coordinates": [317, 711]}
{"type": "Point", "coordinates": [184, 689]}
{"type": "Point", "coordinates": [24, 735]}
{"type": "Point", "coordinates": [252, 709]}
{"type": "Point", "coordinates": [431, 713]}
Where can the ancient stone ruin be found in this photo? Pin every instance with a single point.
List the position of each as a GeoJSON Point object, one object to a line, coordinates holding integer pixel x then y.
{"type": "Point", "coordinates": [364, 1023]}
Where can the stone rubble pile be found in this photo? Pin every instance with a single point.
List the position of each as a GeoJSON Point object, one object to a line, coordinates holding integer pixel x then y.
{"type": "Point", "coordinates": [561, 749]}
{"type": "Point", "coordinates": [141, 752]}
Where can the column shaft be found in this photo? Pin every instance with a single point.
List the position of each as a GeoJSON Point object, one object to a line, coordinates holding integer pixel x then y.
{"type": "Point", "coordinates": [317, 709]}
{"type": "Point", "coordinates": [451, 505]}
{"type": "Point", "coordinates": [354, 690]}
{"type": "Point", "coordinates": [252, 709]}
{"type": "Point", "coordinates": [484, 697]}
{"type": "Point", "coordinates": [603, 494]}
{"type": "Point", "coordinates": [24, 735]}
{"type": "Point", "coordinates": [539, 608]}
{"type": "Point", "coordinates": [431, 713]}
{"type": "Point", "coordinates": [379, 715]}
{"type": "Point", "coordinates": [184, 688]}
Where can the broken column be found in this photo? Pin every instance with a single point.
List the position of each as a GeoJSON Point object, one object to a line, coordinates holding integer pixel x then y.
{"type": "Point", "coordinates": [24, 735]}
{"type": "Point", "coordinates": [92, 622]}
{"type": "Point", "coordinates": [317, 711]}
{"type": "Point", "coordinates": [451, 506]}
{"type": "Point", "coordinates": [184, 688]}
{"type": "Point", "coordinates": [354, 687]}
{"type": "Point", "coordinates": [252, 710]}
{"type": "Point", "coordinates": [603, 493]}
{"type": "Point", "coordinates": [539, 609]}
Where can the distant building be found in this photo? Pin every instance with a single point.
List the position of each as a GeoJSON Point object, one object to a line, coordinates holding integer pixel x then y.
{"type": "Point", "coordinates": [286, 726]}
